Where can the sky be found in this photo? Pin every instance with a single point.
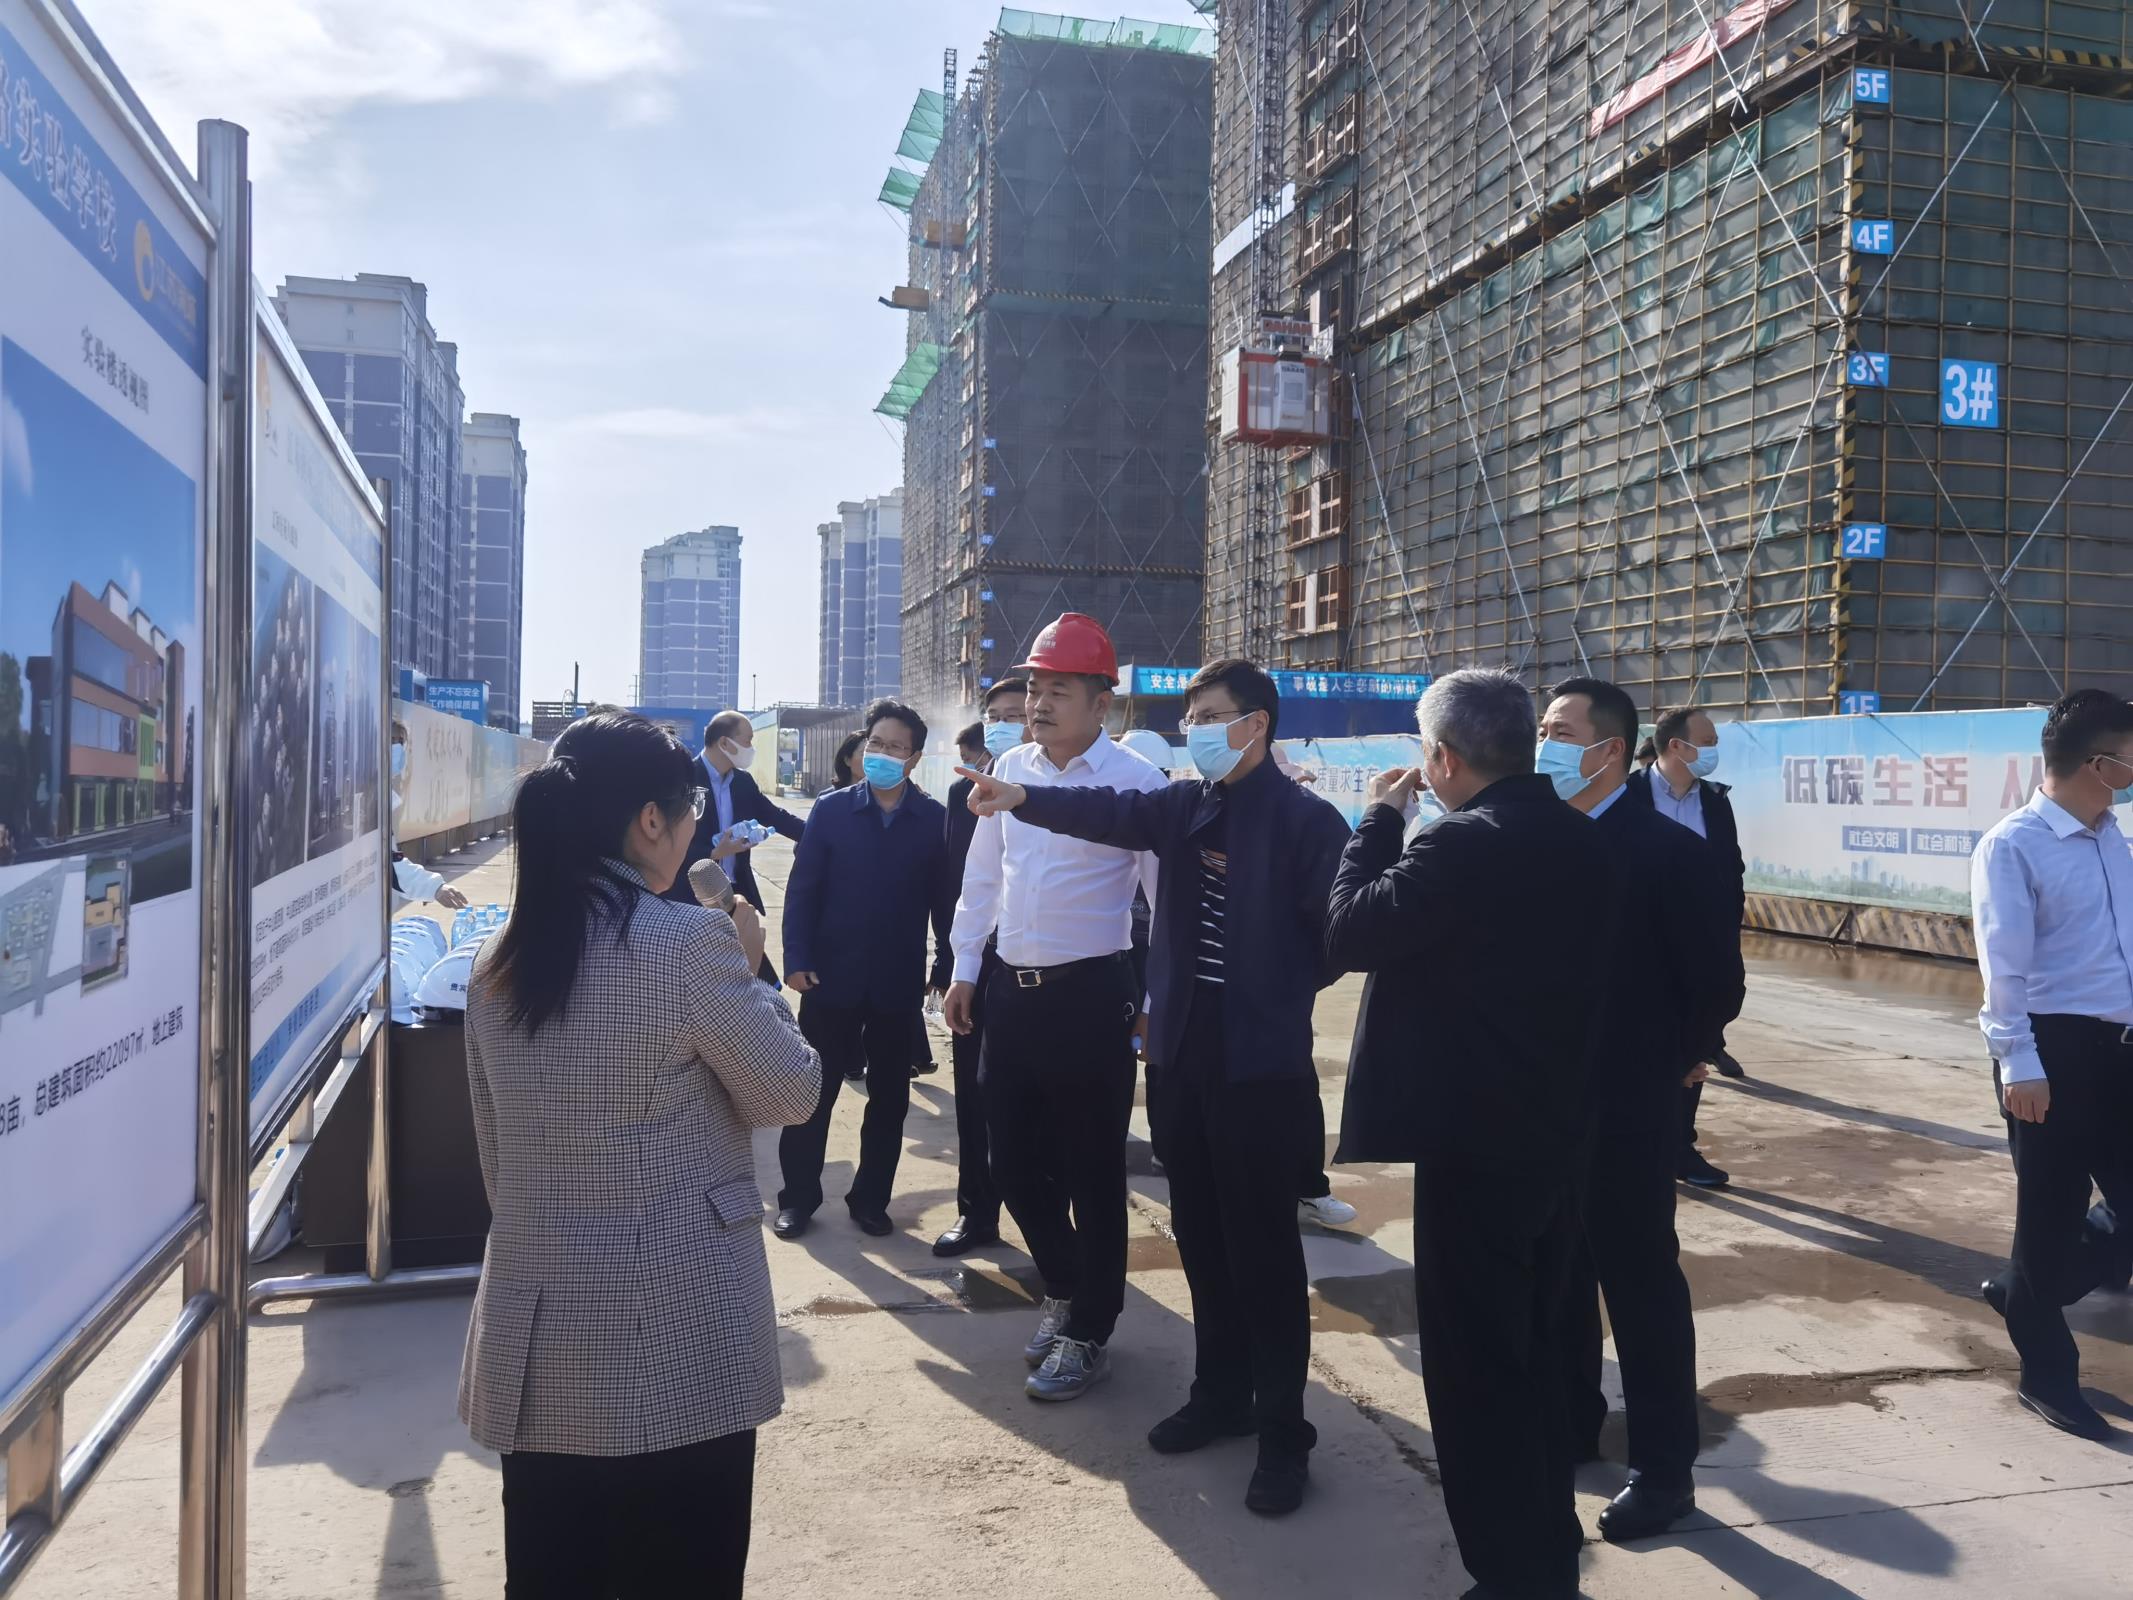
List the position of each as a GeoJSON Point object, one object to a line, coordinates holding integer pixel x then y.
{"type": "Point", "coordinates": [650, 227]}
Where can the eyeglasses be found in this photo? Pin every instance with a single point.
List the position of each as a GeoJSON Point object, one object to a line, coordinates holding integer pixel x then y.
{"type": "Point", "coordinates": [698, 798]}
{"type": "Point", "coordinates": [875, 747]}
{"type": "Point", "coordinates": [1212, 719]}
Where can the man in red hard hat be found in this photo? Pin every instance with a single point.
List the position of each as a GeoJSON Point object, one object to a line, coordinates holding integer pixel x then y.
{"type": "Point", "coordinates": [1061, 1006]}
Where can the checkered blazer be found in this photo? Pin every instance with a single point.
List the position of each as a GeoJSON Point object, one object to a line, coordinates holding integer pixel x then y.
{"type": "Point", "coordinates": [625, 1300]}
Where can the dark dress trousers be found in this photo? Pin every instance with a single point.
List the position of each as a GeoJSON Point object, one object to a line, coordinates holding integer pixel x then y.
{"type": "Point", "coordinates": [1674, 981]}
{"type": "Point", "coordinates": [1480, 1018]}
{"type": "Point", "coordinates": [976, 1199]}
{"type": "Point", "coordinates": [864, 884]}
{"type": "Point", "coordinates": [1231, 1086]}
{"type": "Point", "coordinates": [750, 804]}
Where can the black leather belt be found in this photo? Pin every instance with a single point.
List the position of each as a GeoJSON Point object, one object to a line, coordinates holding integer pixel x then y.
{"type": "Point", "coordinates": [1038, 977]}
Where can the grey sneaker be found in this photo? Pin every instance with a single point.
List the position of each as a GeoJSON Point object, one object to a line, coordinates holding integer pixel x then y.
{"type": "Point", "coordinates": [1049, 1321]}
{"type": "Point", "coordinates": [1073, 1368]}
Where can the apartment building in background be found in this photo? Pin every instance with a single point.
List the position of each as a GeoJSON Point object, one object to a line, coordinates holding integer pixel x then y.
{"type": "Point", "coordinates": [862, 601]}
{"type": "Point", "coordinates": [393, 387]}
{"type": "Point", "coordinates": [491, 593]}
{"type": "Point", "coordinates": [689, 653]}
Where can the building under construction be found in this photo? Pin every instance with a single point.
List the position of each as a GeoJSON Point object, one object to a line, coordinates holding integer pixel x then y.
{"type": "Point", "coordinates": [1776, 358]}
{"type": "Point", "coordinates": [1054, 453]}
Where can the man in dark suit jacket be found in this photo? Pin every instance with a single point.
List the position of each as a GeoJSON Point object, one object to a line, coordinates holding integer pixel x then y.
{"type": "Point", "coordinates": [1674, 981]}
{"type": "Point", "coordinates": [729, 749]}
{"type": "Point", "coordinates": [1481, 1017]}
{"type": "Point", "coordinates": [1236, 957]}
{"type": "Point", "coordinates": [866, 879]}
{"type": "Point", "coordinates": [1679, 787]}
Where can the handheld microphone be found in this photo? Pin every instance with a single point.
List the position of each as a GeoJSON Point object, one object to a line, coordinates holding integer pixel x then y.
{"type": "Point", "coordinates": [709, 883]}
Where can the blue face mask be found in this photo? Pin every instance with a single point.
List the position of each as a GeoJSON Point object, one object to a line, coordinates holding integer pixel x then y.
{"type": "Point", "coordinates": [1001, 737]}
{"type": "Point", "coordinates": [1705, 764]}
{"type": "Point", "coordinates": [1208, 745]}
{"type": "Point", "coordinates": [399, 759]}
{"type": "Point", "coordinates": [883, 772]}
{"type": "Point", "coordinates": [2119, 797]}
{"type": "Point", "coordinates": [1561, 763]}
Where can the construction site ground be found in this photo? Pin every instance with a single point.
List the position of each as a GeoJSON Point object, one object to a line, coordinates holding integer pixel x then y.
{"type": "Point", "coordinates": [1861, 1432]}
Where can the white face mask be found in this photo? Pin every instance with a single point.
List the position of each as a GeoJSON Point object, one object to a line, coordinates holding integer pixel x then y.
{"type": "Point", "coordinates": [739, 754]}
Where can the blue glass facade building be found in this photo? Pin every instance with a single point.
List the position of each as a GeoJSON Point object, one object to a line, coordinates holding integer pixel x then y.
{"type": "Point", "coordinates": [491, 592]}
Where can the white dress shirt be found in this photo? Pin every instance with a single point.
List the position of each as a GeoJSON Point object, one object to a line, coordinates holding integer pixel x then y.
{"type": "Point", "coordinates": [2052, 905]}
{"type": "Point", "coordinates": [721, 786]}
{"type": "Point", "coordinates": [1685, 809]}
{"type": "Point", "coordinates": [1052, 899]}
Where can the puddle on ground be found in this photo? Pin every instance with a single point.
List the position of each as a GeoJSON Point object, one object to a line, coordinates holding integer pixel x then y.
{"type": "Point", "coordinates": [1381, 1304]}
{"type": "Point", "coordinates": [1862, 974]}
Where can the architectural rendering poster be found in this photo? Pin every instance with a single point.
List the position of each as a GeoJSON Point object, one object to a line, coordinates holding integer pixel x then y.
{"type": "Point", "coordinates": [103, 447]}
{"type": "Point", "coordinates": [318, 853]}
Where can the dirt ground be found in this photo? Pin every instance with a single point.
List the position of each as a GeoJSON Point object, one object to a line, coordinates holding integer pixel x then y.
{"type": "Point", "coordinates": [1861, 1436]}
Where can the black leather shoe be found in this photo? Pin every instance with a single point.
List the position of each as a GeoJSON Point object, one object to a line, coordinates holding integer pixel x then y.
{"type": "Point", "coordinates": [1644, 1509]}
{"type": "Point", "coordinates": [1188, 1428]}
{"type": "Point", "coordinates": [1994, 1292]}
{"type": "Point", "coordinates": [875, 1224]}
{"type": "Point", "coordinates": [1277, 1486]}
{"type": "Point", "coordinates": [2069, 1413]}
{"type": "Point", "coordinates": [791, 1222]}
{"type": "Point", "coordinates": [1727, 1066]}
{"type": "Point", "coordinates": [1698, 1173]}
{"type": "Point", "coordinates": [966, 1235]}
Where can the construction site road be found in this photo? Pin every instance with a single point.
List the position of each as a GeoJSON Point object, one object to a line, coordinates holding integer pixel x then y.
{"type": "Point", "coordinates": [1861, 1435]}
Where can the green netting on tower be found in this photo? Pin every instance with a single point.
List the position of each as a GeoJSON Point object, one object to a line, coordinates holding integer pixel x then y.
{"type": "Point", "coordinates": [899, 189]}
{"type": "Point", "coordinates": [910, 381]}
{"type": "Point", "coordinates": [1127, 32]}
{"type": "Point", "coordinates": [929, 120]}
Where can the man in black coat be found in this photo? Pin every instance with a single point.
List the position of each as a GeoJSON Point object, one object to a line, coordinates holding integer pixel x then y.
{"type": "Point", "coordinates": [729, 750]}
{"type": "Point", "coordinates": [1674, 981]}
{"type": "Point", "coordinates": [1481, 1017]}
{"type": "Point", "coordinates": [977, 1199]}
{"type": "Point", "coordinates": [1679, 787]}
{"type": "Point", "coordinates": [1236, 958]}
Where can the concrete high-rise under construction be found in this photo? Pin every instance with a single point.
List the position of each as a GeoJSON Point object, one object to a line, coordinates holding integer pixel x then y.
{"type": "Point", "coordinates": [1054, 450]}
{"type": "Point", "coordinates": [1775, 357]}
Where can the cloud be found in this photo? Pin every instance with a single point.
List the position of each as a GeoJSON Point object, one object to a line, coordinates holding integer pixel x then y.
{"type": "Point", "coordinates": [287, 68]}
{"type": "Point", "coordinates": [664, 423]}
{"type": "Point", "coordinates": [15, 463]}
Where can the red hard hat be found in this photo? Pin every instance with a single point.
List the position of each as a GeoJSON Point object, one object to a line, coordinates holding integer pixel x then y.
{"type": "Point", "coordinates": [1074, 643]}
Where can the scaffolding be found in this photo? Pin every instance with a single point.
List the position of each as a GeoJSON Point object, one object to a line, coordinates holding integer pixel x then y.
{"type": "Point", "coordinates": [1731, 355]}
{"type": "Point", "coordinates": [1054, 461]}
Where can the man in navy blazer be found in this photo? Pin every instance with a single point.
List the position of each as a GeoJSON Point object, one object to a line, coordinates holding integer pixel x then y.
{"type": "Point", "coordinates": [870, 871]}
{"type": "Point", "coordinates": [1679, 788]}
{"type": "Point", "coordinates": [729, 750]}
{"type": "Point", "coordinates": [1235, 962]}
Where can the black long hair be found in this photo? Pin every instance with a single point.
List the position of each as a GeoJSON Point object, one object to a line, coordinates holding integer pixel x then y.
{"type": "Point", "coordinates": [568, 822]}
{"type": "Point", "coordinates": [841, 773]}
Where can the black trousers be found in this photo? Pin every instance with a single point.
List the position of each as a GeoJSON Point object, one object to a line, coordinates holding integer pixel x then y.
{"type": "Point", "coordinates": [1057, 1072]}
{"type": "Point", "coordinates": [1316, 1185]}
{"type": "Point", "coordinates": [2087, 1133]}
{"type": "Point", "coordinates": [1491, 1251]}
{"type": "Point", "coordinates": [840, 1034]}
{"type": "Point", "coordinates": [975, 1196]}
{"type": "Point", "coordinates": [1231, 1152]}
{"type": "Point", "coordinates": [1627, 1249]}
{"type": "Point", "coordinates": [645, 1527]}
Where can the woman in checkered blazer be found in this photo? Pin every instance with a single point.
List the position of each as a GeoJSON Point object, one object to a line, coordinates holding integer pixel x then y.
{"type": "Point", "coordinates": [623, 1349]}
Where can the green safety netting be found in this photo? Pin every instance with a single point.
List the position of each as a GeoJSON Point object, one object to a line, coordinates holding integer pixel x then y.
{"type": "Point", "coordinates": [910, 381]}
{"type": "Point", "coordinates": [1180, 37]}
{"type": "Point", "coordinates": [929, 120]}
{"type": "Point", "coordinates": [899, 189]}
